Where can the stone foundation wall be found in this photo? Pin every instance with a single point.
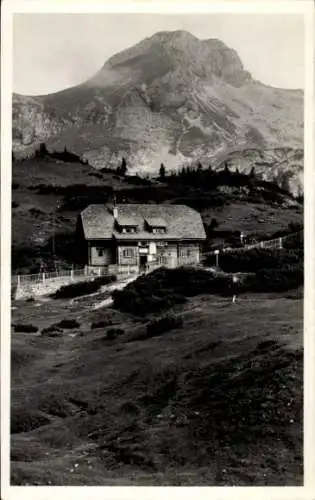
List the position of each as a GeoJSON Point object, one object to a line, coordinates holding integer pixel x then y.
{"type": "Point", "coordinates": [27, 290]}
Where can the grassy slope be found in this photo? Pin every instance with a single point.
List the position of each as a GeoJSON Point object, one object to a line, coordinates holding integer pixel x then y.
{"type": "Point", "coordinates": [108, 406]}
{"type": "Point", "coordinates": [161, 410]}
{"type": "Point", "coordinates": [28, 173]}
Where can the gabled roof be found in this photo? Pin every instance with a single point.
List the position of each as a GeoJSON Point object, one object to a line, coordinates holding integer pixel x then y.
{"type": "Point", "coordinates": [181, 222]}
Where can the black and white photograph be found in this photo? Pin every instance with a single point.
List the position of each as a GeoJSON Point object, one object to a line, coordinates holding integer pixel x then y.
{"type": "Point", "coordinates": [156, 248]}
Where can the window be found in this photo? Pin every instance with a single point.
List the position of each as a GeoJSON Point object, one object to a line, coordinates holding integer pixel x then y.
{"type": "Point", "coordinates": [158, 230]}
{"type": "Point", "coordinates": [100, 252]}
{"type": "Point", "coordinates": [128, 229]}
{"type": "Point", "coordinates": [127, 253]}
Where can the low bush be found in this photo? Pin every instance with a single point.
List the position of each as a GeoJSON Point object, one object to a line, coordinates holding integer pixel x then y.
{"type": "Point", "coordinates": [68, 324]}
{"type": "Point", "coordinates": [101, 324]}
{"type": "Point", "coordinates": [96, 174]}
{"type": "Point", "coordinates": [277, 279]}
{"type": "Point", "coordinates": [258, 258]}
{"type": "Point", "coordinates": [23, 420]}
{"type": "Point", "coordinates": [36, 212]}
{"type": "Point", "coordinates": [136, 180]}
{"type": "Point", "coordinates": [165, 288]}
{"type": "Point", "coordinates": [164, 325]}
{"type": "Point", "coordinates": [25, 328]}
{"type": "Point", "coordinates": [52, 331]}
{"type": "Point", "coordinates": [28, 259]}
{"type": "Point", "coordinates": [113, 333]}
{"type": "Point", "coordinates": [82, 288]}
{"type": "Point", "coordinates": [105, 280]}
{"type": "Point", "coordinates": [265, 345]}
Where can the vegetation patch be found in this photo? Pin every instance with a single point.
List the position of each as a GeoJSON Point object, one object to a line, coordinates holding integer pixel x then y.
{"type": "Point", "coordinates": [252, 260]}
{"type": "Point", "coordinates": [52, 331]}
{"type": "Point", "coordinates": [23, 328]}
{"type": "Point", "coordinates": [165, 288]}
{"type": "Point", "coordinates": [113, 333]}
{"type": "Point", "coordinates": [278, 279]}
{"type": "Point", "coordinates": [101, 324]}
{"type": "Point", "coordinates": [164, 325]}
{"type": "Point", "coordinates": [25, 420]}
{"type": "Point", "coordinates": [68, 324]}
{"type": "Point", "coordinates": [82, 288]}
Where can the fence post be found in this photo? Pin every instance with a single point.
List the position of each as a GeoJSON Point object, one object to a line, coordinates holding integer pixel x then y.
{"type": "Point", "coordinates": [99, 271]}
{"type": "Point", "coordinates": [261, 244]}
{"type": "Point", "coordinates": [18, 280]}
{"type": "Point", "coordinates": [216, 252]}
{"type": "Point", "coordinates": [71, 275]}
{"type": "Point", "coordinates": [44, 281]}
{"type": "Point", "coordinates": [280, 244]}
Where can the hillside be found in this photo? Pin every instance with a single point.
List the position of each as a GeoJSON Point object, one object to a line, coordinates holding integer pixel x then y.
{"type": "Point", "coordinates": [171, 98]}
{"type": "Point", "coordinates": [214, 402]}
{"type": "Point", "coordinates": [48, 194]}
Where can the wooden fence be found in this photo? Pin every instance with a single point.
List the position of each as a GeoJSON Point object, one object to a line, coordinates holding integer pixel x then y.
{"type": "Point", "coordinates": [85, 273]}
{"type": "Point", "coordinates": [274, 243]}
{"type": "Point", "coordinates": [89, 272]}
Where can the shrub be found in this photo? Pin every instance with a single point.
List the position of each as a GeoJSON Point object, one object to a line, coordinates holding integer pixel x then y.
{"type": "Point", "coordinates": [294, 227]}
{"type": "Point", "coordinates": [36, 212]}
{"type": "Point", "coordinates": [25, 328]}
{"type": "Point", "coordinates": [101, 324]}
{"type": "Point", "coordinates": [163, 325]}
{"type": "Point", "coordinates": [258, 258]}
{"type": "Point", "coordinates": [136, 180]}
{"type": "Point", "coordinates": [113, 333]}
{"type": "Point", "coordinates": [265, 345]}
{"type": "Point", "coordinates": [96, 174]}
{"type": "Point", "coordinates": [165, 288]}
{"type": "Point", "coordinates": [68, 324]}
{"type": "Point", "coordinates": [27, 259]}
{"type": "Point", "coordinates": [23, 420]}
{"type": "Point", "coordinates": [82, 288]}
{"type": "Point", "coordinates": [277, 280]}
{"type": "Point", "coordinates": [52, 331]}
{"type": "Point", "coordinates": [105, 280]}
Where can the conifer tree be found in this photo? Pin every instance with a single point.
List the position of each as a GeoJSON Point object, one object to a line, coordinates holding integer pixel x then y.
{"type": "Point", "coordinates": [122, 169]}
{"type": "Point", "coordinates": [162, 171]}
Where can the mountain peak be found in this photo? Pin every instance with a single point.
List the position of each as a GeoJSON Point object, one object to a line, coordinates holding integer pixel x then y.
{"type": "Point", "coordinates": [171, 98]}
{"type": "Point", "coordinates": [167, 51]}
{"type": "Point", "coordinates": [173, 35]}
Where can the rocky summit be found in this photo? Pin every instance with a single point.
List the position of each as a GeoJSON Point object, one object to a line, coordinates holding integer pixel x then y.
{"type": "Point", "coordinates": [175, 99]}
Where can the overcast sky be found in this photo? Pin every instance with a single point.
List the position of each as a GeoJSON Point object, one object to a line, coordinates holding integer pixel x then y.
{"type": "Point", "coordinates": [55, 51]}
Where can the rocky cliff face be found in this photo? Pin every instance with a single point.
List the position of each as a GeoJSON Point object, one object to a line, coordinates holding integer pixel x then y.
{"type": "Point", "coordinates": [171, 98]}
